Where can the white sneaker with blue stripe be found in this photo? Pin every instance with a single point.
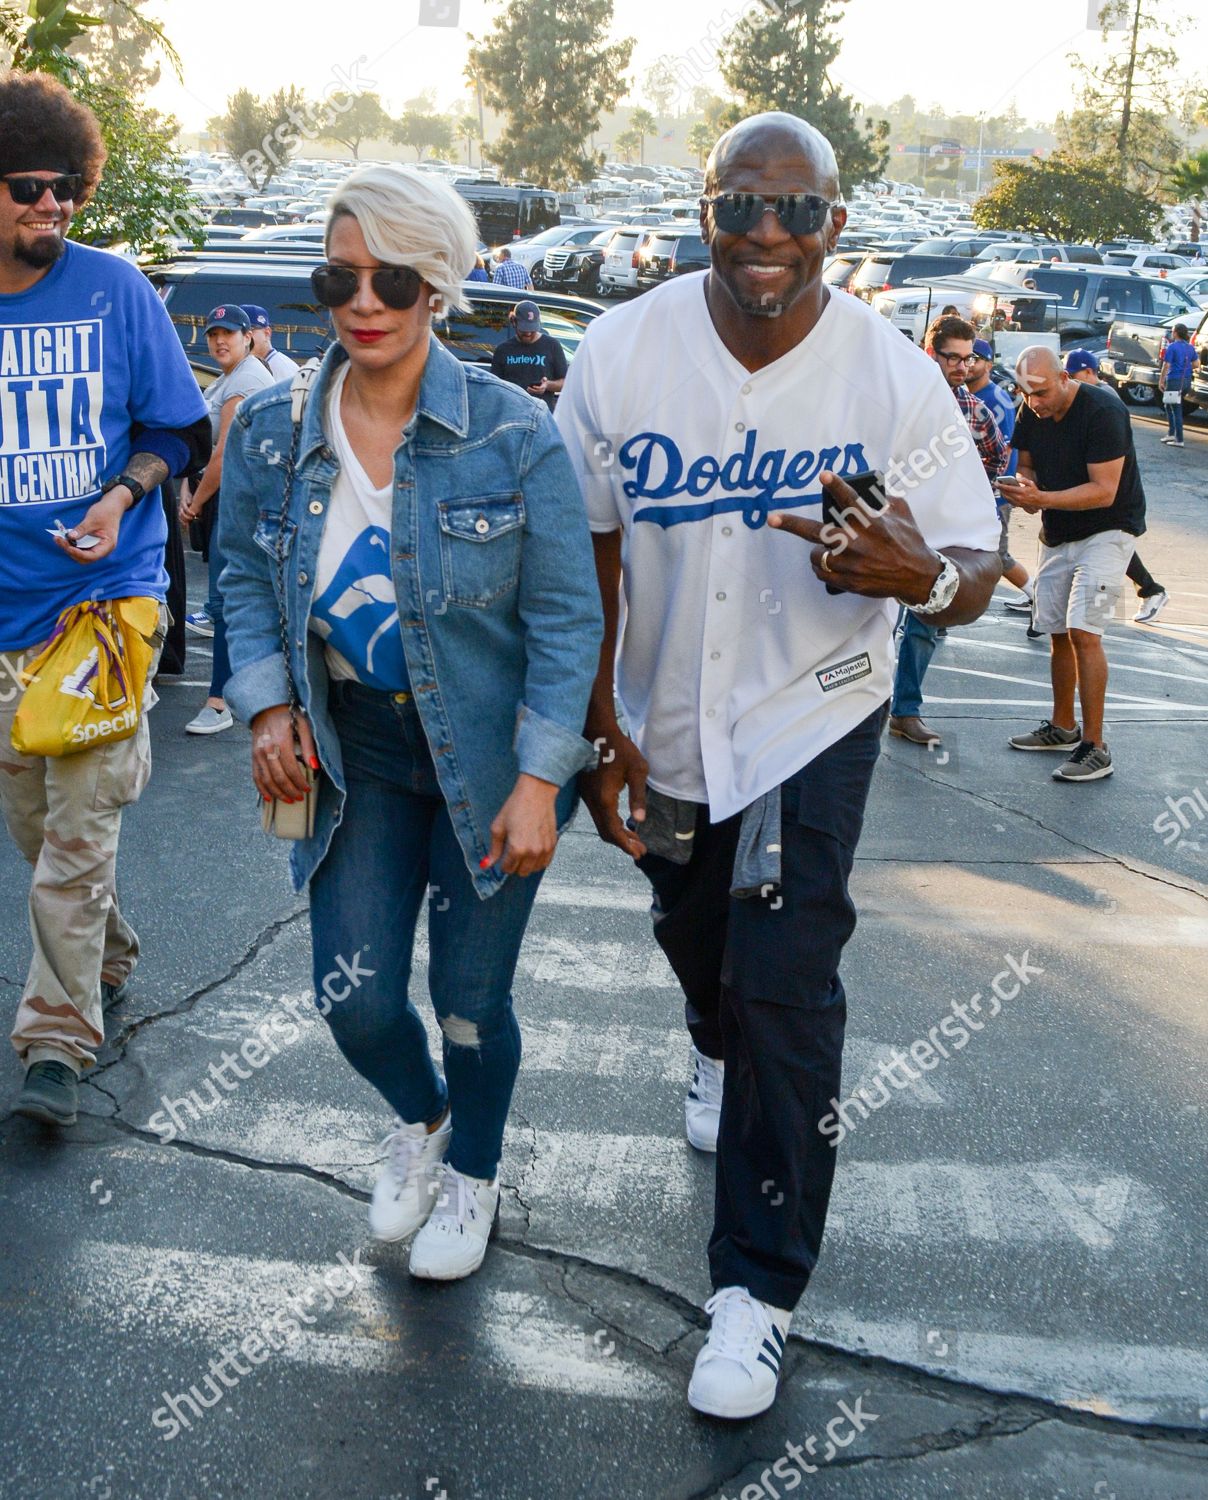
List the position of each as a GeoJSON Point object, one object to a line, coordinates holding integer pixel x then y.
{"type": "Point", "coordinates": [737, 1371]}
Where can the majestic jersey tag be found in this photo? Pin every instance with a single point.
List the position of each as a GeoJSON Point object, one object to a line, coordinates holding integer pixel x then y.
{"type": "Point", "coordinates": [842, 673]}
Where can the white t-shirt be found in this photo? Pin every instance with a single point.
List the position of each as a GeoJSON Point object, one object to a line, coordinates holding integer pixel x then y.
{"type": "Point", "coordinates": [354, 608]}
{"type": "Point", "coordinates": [735, 667]}
{"type": "Point", "coordinates": [280, 366]}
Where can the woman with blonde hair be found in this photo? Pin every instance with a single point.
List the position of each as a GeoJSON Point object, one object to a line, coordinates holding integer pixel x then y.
{"type": "Point", "coordinates": [415, 540]}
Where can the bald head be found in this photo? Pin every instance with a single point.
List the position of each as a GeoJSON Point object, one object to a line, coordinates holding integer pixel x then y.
{"type": "Point", "coordinates": [1038, 359]}
{"type": "Point", "coordinates": [1047, 388]}
{"type": "Point", "coordinates": [774, 137]}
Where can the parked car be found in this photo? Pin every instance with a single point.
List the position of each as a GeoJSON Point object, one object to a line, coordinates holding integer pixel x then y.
{"type": "Point", "coordinates": [881, 271]}
{"type": "Point", "coordinates": [1095, 297]}
{"type": "Point", "coordinates": [963, 246]}
{"type": "Point", "coordinates": [839, 270]}
{"type": "Point", "coordinates": [670, 252]}
{"type": "Point", "coordinates": [302, 327]}
{"type": "Point", "coordinates": [1042, 252]}
{"type": "Point", "coordinates": [576, 268]}
{"type": "Point", "coordinates": [530, 253]}
{"type": "Point", "coordinates": [249, 218]}
{"type": "Point", "coordinates": [1194, 282]}
{"type": "Point", "coordinates": [619, 272]}
{"type": "Point", "coordinates": [1133, 357]}
{"type": "Point", "coordinates": [1151, 261]}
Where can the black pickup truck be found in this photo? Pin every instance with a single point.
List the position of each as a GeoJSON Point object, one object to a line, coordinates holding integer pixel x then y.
{"type": "Point", "coordinates": [1132, 360]}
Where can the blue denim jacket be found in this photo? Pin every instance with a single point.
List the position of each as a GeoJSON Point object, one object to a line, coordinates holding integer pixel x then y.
{"type": "Point", "coordinates": [493, 572]}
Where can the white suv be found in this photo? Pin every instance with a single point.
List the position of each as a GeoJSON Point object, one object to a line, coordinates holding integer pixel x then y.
{"type": "Point", "coordinates": [619, 272]}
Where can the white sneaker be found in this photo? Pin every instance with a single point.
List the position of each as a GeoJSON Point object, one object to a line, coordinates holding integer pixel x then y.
{"type": "Point", "coordinates": [1151, 608]}
{"type": "Point", "coordinates": [702, 1107]}
{"type": "Point", "coordinates": [210, 721]}
{"type": "Point", "coordinates": [454, 1240]}
{"type": "Point", "coordinates": [736, 1372]}
{"type": "Point", "coordinates": [406, 1186]}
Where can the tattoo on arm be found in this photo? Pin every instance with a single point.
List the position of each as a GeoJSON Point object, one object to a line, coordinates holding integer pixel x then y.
{"type": "Point", "coordinates": [148, 468]}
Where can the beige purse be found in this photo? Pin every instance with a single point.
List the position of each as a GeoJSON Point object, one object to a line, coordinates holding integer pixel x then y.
{"type": "Point", "coordinates": [292, 820]}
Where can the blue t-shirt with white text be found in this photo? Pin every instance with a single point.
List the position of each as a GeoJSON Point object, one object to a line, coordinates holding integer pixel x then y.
{"type": "Point", "coordinates": [86, 353]}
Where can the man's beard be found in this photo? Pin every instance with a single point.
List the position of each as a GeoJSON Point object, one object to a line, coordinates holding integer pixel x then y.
{"type": "Point", "coordinates": [42, 252]}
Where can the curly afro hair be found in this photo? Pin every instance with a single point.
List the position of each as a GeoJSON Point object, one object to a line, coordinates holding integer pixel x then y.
{"type": "Point", "coordinates": [42, 126]}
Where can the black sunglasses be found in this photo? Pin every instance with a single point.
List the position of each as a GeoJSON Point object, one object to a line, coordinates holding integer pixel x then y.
{"type": "Point", "coordinates": [739, 213]}
{"type": "Point", "coordinates": [27, 190]}
{"type": "Point", "coordinates": [395, 286]}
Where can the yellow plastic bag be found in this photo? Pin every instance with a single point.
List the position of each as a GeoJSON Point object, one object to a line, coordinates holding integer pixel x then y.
{"type": "Point", "coordinates": [85, 687]}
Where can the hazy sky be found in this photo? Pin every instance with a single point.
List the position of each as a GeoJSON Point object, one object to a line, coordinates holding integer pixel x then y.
{"type": "Point", "coordinates": [969, 56]}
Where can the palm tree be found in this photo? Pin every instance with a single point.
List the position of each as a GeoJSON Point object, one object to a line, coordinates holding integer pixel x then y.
{"type": "Point", "coordinates": [644, 123]}
{"type": "Point", "coordinates": [468, 131]}
{"type": "Point", "coordinates": [627, 143]}
{"type": "Point", "coordinates": [700, 140]}
{"type": "Point", "coordinates": [1189, 180]}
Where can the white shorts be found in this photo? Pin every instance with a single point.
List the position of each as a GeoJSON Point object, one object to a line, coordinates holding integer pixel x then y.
{"type": "Point", "coordinates": [1078, 584]}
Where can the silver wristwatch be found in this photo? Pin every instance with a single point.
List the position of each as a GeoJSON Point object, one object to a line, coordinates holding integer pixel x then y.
{"type": "Point", "coordinates": [943, 591]}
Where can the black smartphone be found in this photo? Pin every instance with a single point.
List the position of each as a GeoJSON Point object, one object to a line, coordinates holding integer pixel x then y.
{"type": "Point", "coordinates": [869, 484]}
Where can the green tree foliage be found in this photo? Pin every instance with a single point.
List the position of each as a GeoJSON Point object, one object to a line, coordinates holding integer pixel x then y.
{"type": "Point", "coordinates": [263, 134]}
{"type": "Point", "coordinates": [143, 194]}
{"type": "Point", "coordinates": [660, 85]}
{"type": "Point", "coordinates": [781, 59]}
{"type": "Point", "coordinates": [645, 124]}
{"type": "Point", "coordinates": [424, 132]}
{"type": "Point", "coordinates": [1189, 183]}
{"type": "Point", "coordinates": [121, 51]}
{"type": "Point", "coordinates": [468, 130]}
{"type": "Point", "coordinates": [1066, 198]}
{"type": "Point", "coordinates": [363, 120]}
{"type": "Point", "coordinates": [550, 69]}
{"type": "Point", "coordinates": [1131, 101]}
{"type": "Point", "coordinates": [700, 140]}
{"type": "Point", "coordinates": [628, 143]}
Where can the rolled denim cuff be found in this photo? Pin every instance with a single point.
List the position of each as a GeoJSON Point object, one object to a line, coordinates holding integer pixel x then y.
{"type": "Point", "coordinates": [549, 751]}
{"type": "Point", "coordinates": [261, 684]}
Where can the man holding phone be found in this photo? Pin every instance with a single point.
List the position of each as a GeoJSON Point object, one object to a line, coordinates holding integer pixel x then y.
{"type": "Point", "coordinates": [1078, 468]}
{"type": "Point", "coordinates": [99, 407]}
{"type": "Point", "coordinates": [531, 358]}
{"type": "Point", "coordinates": [754, 700]}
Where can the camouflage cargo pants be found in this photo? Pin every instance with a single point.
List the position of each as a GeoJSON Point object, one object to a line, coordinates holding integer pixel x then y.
{"type": "Point", "coordinates": [64, 813]}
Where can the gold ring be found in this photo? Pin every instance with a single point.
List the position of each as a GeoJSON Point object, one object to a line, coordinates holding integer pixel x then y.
{"type": "Point", "coordinates": [826, 567]}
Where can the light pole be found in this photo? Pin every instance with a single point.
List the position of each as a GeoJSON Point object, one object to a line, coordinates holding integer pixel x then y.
{"type": "Point", "coordinates": [981, 135]}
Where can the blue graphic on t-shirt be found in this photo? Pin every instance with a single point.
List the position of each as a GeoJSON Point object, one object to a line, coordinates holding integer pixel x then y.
{"type": "Point", "coordinates": [358, 613]}
{"type": "Point", "coordinates": [754, 485]}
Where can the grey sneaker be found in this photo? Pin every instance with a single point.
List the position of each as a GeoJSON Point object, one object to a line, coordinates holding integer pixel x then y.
{"type": "Point", "coordinates": [113, 994]}
{"type": "Point", "coordinates": [50, 1094]}
{"type": "Point", "coordinates": [1047, 737]}
{"type": "Point", "coordinates": [210, 721]}
{"type": "Point", "coordinates": [1088, 763]}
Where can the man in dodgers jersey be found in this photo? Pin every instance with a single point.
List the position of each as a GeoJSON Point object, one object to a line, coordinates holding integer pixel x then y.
{"type": "Point", "coordinates": [754, 699]}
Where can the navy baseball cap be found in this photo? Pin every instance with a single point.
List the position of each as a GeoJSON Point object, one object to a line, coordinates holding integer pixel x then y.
{"type": "Point", "coordinates": [528, 317]}
{"type": "Point", "coordinates": [983, 349]}
{"type": "Point", "coordinates": [1080, 359]}
{"type": "Point", "coordinates": [231, 316]}
{"type": "Point", "coordinates": [258, 315]}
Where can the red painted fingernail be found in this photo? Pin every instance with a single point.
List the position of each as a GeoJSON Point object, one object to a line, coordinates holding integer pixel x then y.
{"type": "Point", "coordinates": [314, 762]}
{"type": "Point", "coordinates": [485, 864]}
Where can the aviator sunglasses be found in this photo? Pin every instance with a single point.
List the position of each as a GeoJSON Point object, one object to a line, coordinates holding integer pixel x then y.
{"type": "Point", "coordinates": [739, 213]}
{"type": "Point", "coordinates": [394, 286]}
{"type": "Point", "coordinates": [28, 190]}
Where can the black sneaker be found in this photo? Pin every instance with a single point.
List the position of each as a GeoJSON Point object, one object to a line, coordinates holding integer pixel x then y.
{"type": "Point", "coordinates": [1047, 737]}
{"type": "Point", "coordinates": [113, 994]}
{"type": "Point", "coordinates": [50, 1094]}
{"type": "Point", "coordinates": [1090, 762]}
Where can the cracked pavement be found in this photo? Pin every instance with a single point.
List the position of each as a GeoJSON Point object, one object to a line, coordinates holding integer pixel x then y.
{"type": "Point", "coordinates": [1011, 1288]}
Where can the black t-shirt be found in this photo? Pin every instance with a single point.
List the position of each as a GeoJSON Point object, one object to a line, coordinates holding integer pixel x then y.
{"type": "Point", "coordinates": [1094, 430]}
{"type": "Point", "coordinates": [529, 364]}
